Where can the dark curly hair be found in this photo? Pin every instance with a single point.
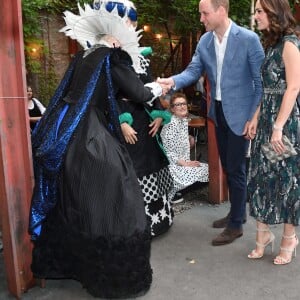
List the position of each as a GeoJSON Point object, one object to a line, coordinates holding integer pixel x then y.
{"type": "Point", "coordinates": [281, 21]}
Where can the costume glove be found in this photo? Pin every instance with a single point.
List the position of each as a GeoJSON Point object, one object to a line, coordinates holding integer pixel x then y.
{"type": "Point", "coordinates": [156, 90]}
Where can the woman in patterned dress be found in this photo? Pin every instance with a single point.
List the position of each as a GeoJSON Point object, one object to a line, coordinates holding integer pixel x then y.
{"type": "Point", "coordinates": [175, 137]}
{"type": "Point", "coordinates": [274, 187]}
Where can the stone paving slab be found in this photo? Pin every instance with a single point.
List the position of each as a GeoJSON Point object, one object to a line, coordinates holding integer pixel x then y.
{"type": "Point", "coordinates": [186, 266]}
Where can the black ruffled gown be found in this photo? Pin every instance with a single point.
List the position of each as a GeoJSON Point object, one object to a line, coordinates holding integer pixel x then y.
{"type": "Point", "coordinates": [96, 230]}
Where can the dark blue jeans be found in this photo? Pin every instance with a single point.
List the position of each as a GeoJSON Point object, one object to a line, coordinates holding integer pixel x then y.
{"type": "Point", "coordinates": [232, 149]}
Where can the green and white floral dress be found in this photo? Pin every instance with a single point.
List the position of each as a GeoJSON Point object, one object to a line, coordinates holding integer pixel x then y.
{"type": "Point", "coordinates": [273, 188]}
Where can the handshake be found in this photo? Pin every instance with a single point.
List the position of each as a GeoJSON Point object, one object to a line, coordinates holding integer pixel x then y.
{"type": "Point", "coordinates": [166, 84]}
{"type": "Point", "coordinates": [160, 87]}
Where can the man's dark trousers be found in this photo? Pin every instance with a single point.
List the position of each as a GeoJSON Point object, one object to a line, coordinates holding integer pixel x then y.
{"type": "Point", "coordinates": [232, 150]}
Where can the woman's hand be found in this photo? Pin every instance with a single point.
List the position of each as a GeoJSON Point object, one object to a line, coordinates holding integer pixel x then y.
{"type": "Point", "coordinates": [193, 163]}
{"type": "Point", "coordinates": [188, 163]}
{"type": "Point", "coordinates": [276, 141]}
{"type": "Point", "coordinates": [129, 133]}
{"type": "Point", "coordinates": [155, 125]}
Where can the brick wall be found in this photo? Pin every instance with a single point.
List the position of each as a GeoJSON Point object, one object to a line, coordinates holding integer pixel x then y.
{"type": "Point", "coordinates": [56, 42]}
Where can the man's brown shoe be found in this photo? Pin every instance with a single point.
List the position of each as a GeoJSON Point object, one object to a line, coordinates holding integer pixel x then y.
{"type": "Point", "coordinates": [221, 223]}
{"type": "Point", "coordinates": [227, 236]}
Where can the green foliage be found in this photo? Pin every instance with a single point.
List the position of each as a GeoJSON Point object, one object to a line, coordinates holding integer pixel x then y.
{"type": "Point", "coordinates": [47, 82]}
{"type": "Point", "coordinates": [31, 17]}
{"type": "Point", "coordinates": [179, 19]}
{"type": "Point", "coordinates": [186, 13]}
{"type": "Point", "coordinates": [42, 67]}
{"type": "Point", "coordinates": [240, 12]}
{"type": "Point", "coordinates": [183, 13]}
{"type": "Point", "coordinates": [174, 19]}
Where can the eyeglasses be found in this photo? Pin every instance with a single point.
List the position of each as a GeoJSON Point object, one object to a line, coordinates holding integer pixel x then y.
{"type": "Point", "coordinates": [122, 9]}
{"type": "Point", "coordinates": [180, 104]}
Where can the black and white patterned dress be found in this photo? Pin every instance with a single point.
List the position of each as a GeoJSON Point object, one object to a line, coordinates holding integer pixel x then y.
{"type": "Point", "coordinates": [158, 209]}
{"type": "Point", "coordinates": [151, 166]}
{"type": "Point", "coordinates": [175, 137]}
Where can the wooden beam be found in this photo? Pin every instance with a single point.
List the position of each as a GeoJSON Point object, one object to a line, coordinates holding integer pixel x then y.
{"type": "Point", "coordinates": [16, 176]}
{"type": "Point", "coordinates": [217, 187]}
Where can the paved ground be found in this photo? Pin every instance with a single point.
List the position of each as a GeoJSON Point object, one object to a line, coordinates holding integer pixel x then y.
{"type": "Point", "coordinates": [186, 266]}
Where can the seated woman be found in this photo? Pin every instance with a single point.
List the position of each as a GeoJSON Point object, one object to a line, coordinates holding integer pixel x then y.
{"type": "Point", "coordinates": [175, 138]}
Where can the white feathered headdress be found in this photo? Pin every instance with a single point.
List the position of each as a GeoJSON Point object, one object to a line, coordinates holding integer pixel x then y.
{"type": "Point", "coordinates": [91, 23]}
{"type": "Point", "coordinates": [125, 7]}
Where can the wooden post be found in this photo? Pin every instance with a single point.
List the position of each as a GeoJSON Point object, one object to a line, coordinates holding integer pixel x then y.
{"type": "Point", "coordinates": [297, 12]}
{"type": "Point", "coordinates": [16, 176]}
{"type": "Point", "coordinates": [217, 188]}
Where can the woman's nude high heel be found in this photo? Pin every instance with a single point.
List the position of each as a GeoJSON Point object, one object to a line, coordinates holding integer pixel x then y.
{"type": "Point", "coordinates": [279, 260]}
{"type": "Point", "coordinates": [254, 254]}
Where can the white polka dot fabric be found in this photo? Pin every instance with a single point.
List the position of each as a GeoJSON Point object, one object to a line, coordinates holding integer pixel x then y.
{"type": "Point", "coordinates": [158, 209]}
{"type": "Point", "coordinates": [175, 138]}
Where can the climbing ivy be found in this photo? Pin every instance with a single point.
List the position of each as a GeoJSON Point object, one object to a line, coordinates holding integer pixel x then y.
{"type": "Point", "coordinates": [41, 67]}
{"type": "Point", "coordinates": [176, 17]}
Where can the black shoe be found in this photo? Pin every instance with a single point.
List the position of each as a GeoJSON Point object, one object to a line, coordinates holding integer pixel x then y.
{"type": "Point", "coordinates": [227, 236]}
{"type": "Point", "coordinates": [222, 223]}
{"type": "Point", "coordinates": [177, 198]}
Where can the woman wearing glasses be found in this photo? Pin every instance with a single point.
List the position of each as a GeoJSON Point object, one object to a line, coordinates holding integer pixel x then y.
{"type": "Point", "coordinates": [175, 137]}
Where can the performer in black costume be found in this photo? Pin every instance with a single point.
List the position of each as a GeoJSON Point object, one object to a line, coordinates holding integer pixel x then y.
{"type": "Point", "coordinates": [149, 159]}
{"type": "Point", "coordinates": [141, 125]}
{"type": "Point", "coordinates": [87, 217]}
